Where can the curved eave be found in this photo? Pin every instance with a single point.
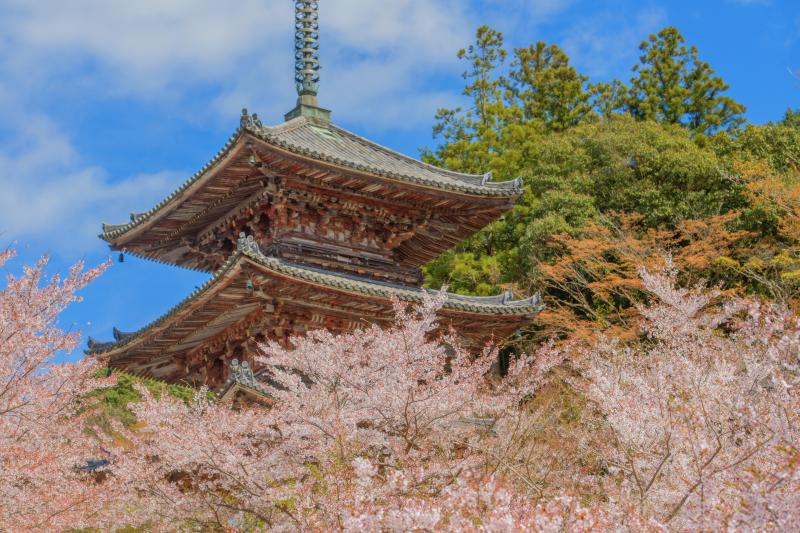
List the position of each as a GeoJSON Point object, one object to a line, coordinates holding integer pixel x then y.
{"type": "Point", "coordinates": [101, 348]}
{"type": "Point", "coordinates": [111, 232]}
{"type": "Point", "coordinates": [464, 184]}
{"type": "Point", "coordinates": [484, 306]}
{"type": "Point", "coordinates": [463, 304]}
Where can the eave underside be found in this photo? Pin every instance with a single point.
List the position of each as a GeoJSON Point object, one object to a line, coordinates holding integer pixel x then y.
{"type": "Point", "coordinates": [255, 299]}
{"type": "Point", "coordinates": [389, 226]}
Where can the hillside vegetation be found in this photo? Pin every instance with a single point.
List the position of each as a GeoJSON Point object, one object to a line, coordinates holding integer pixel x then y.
{"type": "Point", "coordinates": [659, 391]}
{"type": "Point", "coordinates": [617, 176]}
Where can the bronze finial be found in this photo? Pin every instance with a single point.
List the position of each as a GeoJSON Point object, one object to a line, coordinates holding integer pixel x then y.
{"type": "Point", "coordinates": [306, 66]}
{"type": "Point", "coordinates": [306, 45]}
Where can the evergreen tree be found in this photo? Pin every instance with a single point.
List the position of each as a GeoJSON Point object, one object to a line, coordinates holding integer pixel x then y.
{"type": "Point", "coordinates": [791, 118]}
{"type": "Point", "coordinates": [673, 86]}
{"type": "Point", "coordinates": [610, 98]}
{"type": "Point", "coordinates": [547, 88]}
{"type": "Point", "coordinates": [472, 136]}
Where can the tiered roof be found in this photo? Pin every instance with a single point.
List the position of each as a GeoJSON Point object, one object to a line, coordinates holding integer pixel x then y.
{"type": "Point", "coordinates": [307, 164]}
{"type": "Point", "coordinates": [338, 229]}
{"type": "Point", "coordinates": [254, 293]}
{"type": "Point", "coordinates": [325, 142]}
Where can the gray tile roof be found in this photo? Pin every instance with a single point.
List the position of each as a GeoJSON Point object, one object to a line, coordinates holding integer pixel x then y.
{"type": "Point", "coordinates": [502, 304]}
{"type": "Point", "coordinates": [329, 143]}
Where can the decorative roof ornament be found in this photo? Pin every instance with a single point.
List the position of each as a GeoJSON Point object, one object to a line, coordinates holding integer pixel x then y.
{"type": "Point", "coordinates": [247, 245]}
{"type": "Point", "coordinates": [306, 46]}
{"type": "Point", "coordinates": [306, 62]}
{"type": "Point", "coordinates": [243, 374]}
{"type": "Point", "coordinates": [242, 379]}
{"type": "Point", "coordinates": [250, 121]}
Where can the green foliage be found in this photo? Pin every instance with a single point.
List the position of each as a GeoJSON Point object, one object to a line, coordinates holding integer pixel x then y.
{"type": "Point", "coordinates": [112, 402]}
{"type": "Point", "coordinates": [466, 272]}
{"type": "Point", "coordinates": [619, 165]}
{"type": "Point", "coordinates": [508, 114]}
{"type": "Point", "coordinates": [777, 144]}
{"type": "Point", "coordinates": [610, 98]}
{"type": "Point", "coordinates": [673, 86]}
{"type": "Point", "coordinates": [548, 89]}
{"type": "Point", "coordinates": [666, 157]}
{"type": "Point", "coordinates": [792, 118]}
{"type": "Point", "coordinates": [627, 166]}
{"type": "Point", "coordinates": [472, 136]}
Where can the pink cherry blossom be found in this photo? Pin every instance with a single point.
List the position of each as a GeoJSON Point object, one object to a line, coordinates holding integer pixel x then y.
{"type": "Point", "coordinates": [43, 444]}
{"type": "Point", "coordinates": [401, 429]}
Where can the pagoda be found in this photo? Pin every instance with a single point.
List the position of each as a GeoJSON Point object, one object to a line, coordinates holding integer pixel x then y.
{"type": "Point", "coordinates": [303, 226]}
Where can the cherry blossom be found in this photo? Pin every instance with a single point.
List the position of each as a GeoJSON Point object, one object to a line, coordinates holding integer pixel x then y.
{"type": "Point", "coordinates": [44, 480]}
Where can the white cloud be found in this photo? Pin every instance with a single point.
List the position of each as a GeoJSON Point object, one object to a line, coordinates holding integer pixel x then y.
{"type": "Point", "coordinates": [608, 44]}
{"type": "Point", "coordinates": [50, 195]}
{"type": "Point", "coordinates": [381, 52]}
{"type": "Point", "coordinates": [524, 14]}
{"type": "Point", "coordinates": [150, 41]}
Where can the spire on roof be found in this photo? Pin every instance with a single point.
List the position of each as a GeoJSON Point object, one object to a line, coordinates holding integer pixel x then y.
{"type": "Point", "coordinates": [306, 46]}
{"type": "Point", "coordinates": [306, 66]}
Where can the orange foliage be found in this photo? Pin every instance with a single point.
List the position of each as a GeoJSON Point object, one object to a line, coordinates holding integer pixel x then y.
{"type": "Point", "coordinates": [770, 189]}
{"type": "Point", "coordinates": [595, 286]}
{"type": "Point", "coordinates": [776, 265]}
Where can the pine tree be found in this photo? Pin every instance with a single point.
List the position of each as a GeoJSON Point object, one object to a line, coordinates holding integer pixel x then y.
{"type": "Point", "coordinates": [609, 98]}
{"type": "Point", "coordinates": [791, 118]}
{"type": "Point", "coordinates": [472, 136]}
{"type": "Point", "coordinates": [673, 86]}
{"type": "Point", "coordinates": [548, 88]}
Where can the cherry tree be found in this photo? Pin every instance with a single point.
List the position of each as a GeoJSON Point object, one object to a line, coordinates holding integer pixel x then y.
{"type": "Point", "coordinates": [400, 397]}
{"type": "Point", "coordinates": [473, 501]}
{"type": "Point", "coordinates": [44, 483]}
{"type": "Point", "coordinates": [705, 400]}
{"type": "Point", "coordinates": [398, 391]}
{"type": "Point", "coordinates": [397, 429]}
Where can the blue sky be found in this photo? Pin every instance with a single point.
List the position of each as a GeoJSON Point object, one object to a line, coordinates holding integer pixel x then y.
{"type": "Point", "coordinates": [106, 106]}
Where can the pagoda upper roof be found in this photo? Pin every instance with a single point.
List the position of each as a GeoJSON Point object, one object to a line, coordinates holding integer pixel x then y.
{"type": "Point", "coordinates": [323, 141]}
{"type": "Point", "coordinates": [225, 300]}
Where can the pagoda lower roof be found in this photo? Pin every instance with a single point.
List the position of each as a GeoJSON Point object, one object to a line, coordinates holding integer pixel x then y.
{"type": "Point", "coordinates": [253, 294]}
{"type": "Point", "coordinates": [324, 142]}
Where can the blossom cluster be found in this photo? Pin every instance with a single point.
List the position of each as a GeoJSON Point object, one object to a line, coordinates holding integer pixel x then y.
{"type": "Point", "coordinates": [694, 425]}
{"type": "Point", "coordinates": [43, 446]}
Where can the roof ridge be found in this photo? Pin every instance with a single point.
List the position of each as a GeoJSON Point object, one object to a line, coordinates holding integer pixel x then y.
{"type": "Point", "coordinates": [389, 151]}
{"type": "Point", "coordinates": [248, 247]}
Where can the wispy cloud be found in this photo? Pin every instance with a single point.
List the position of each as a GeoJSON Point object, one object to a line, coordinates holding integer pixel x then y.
{"type": "Point", "coordinates": [608, 44]}
{"type": "Point", "coordinates": [380, 52]}
{"type": "Point", "coordinates": [145, 44]}
{"type": "Point", "coordinates": [525, 15]}
{"type": "Point", "coordinates": [380, 63]}
{"type": "Point", "coordinates": [48, 195]}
